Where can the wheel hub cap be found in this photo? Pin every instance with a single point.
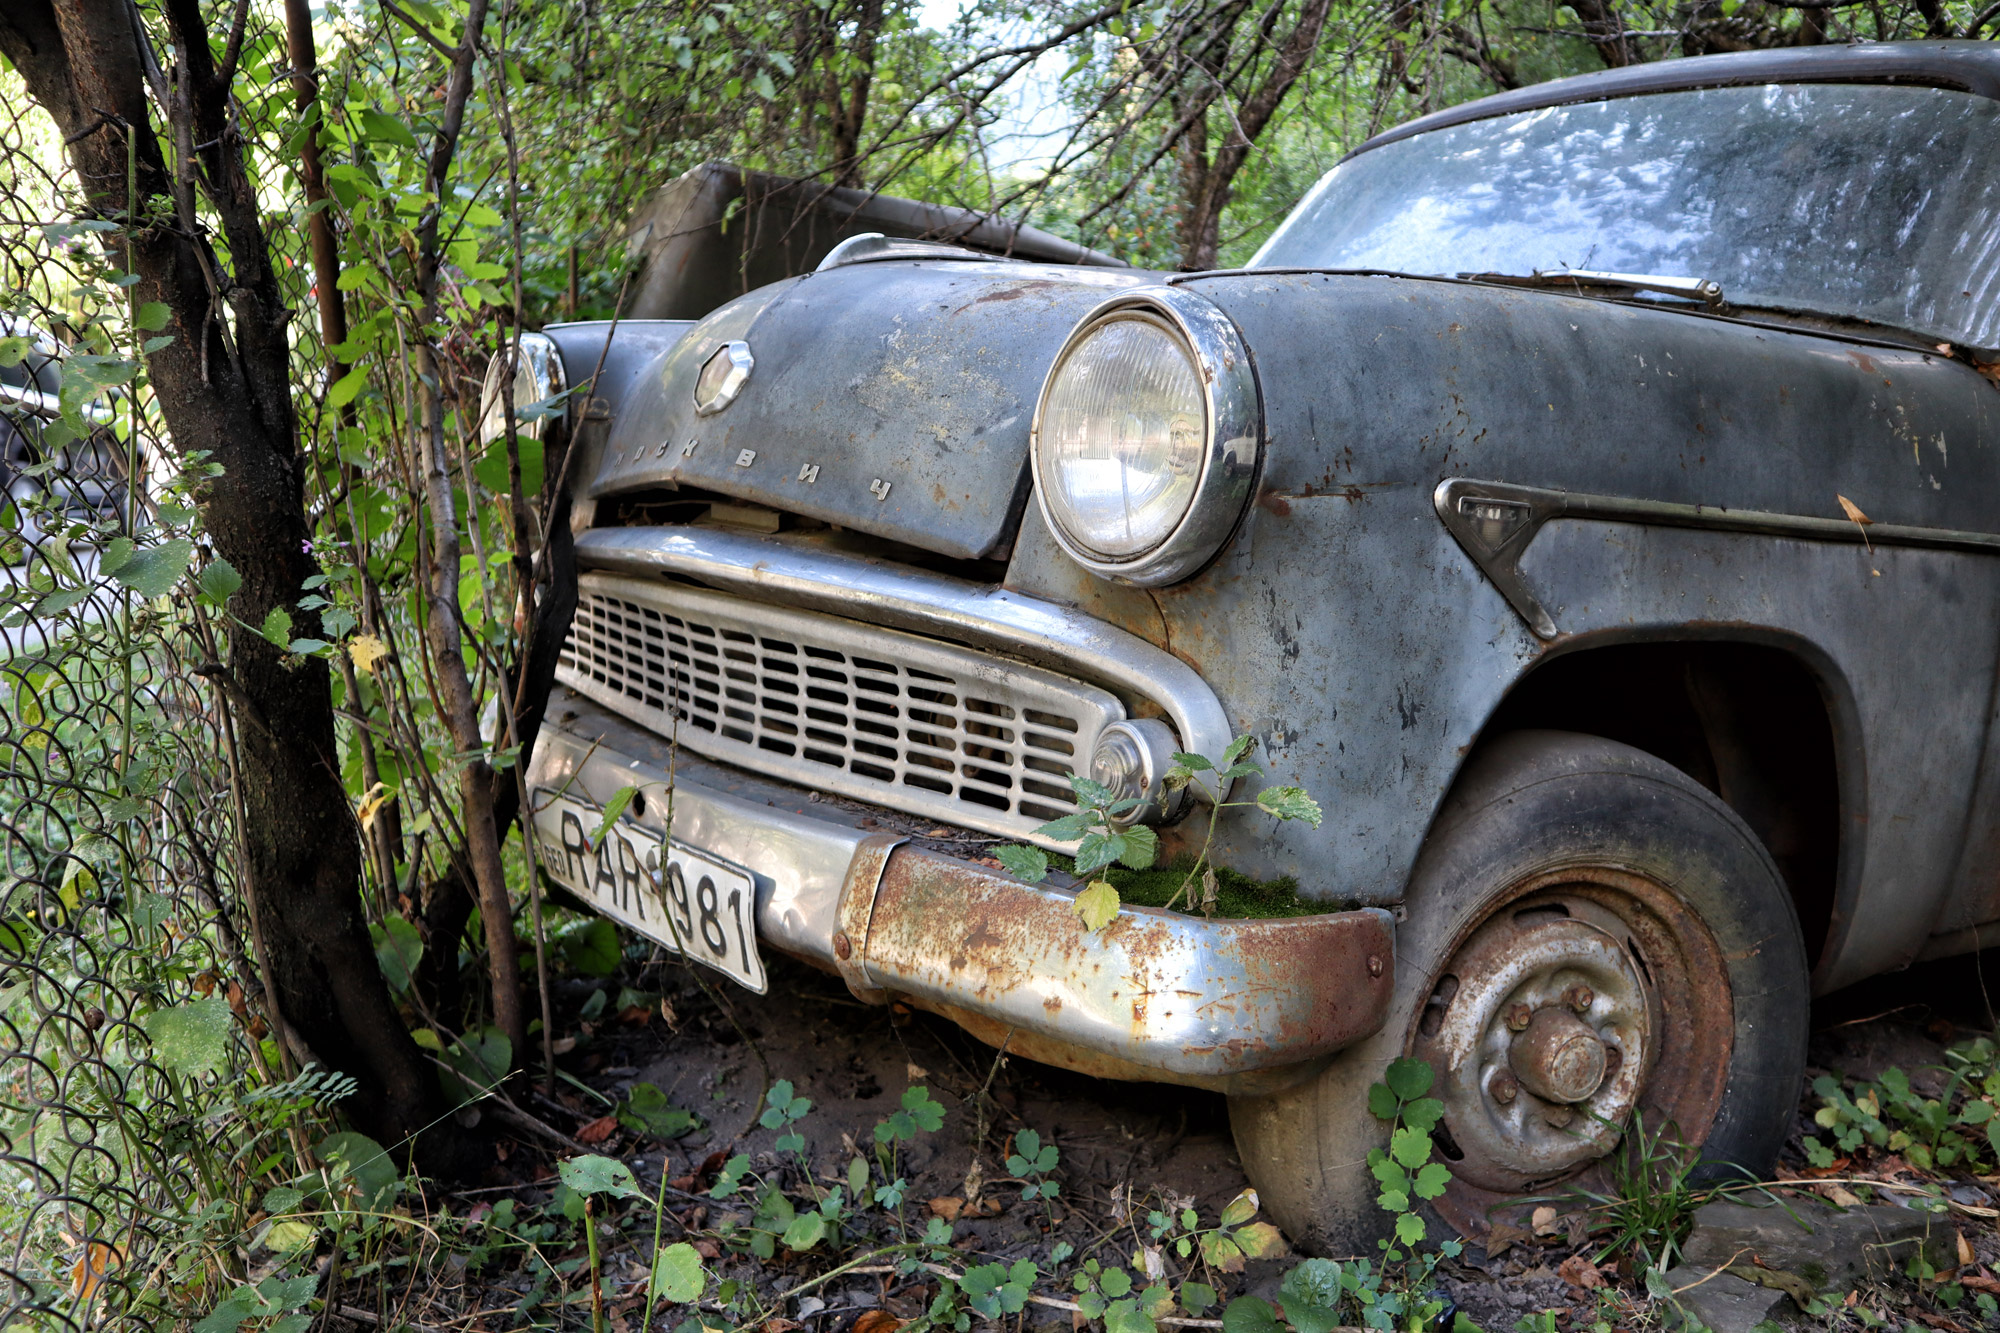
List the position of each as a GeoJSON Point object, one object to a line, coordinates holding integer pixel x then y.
{"type": "Point", "coordinates": [1542, 1028]}
{"type": "Point", "coordinates": [1558, 1057]}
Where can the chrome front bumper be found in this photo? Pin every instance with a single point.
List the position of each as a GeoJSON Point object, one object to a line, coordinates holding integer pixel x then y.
{"type": "Point", "coordinates": [1240, 1006]}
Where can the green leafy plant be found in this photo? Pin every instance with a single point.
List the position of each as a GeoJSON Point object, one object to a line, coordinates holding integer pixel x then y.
{"type": "Point", "coordinates": [1030, 1163]}
{"type": "Point", "coordinates": [1102, 842]}
{"type": "Point", "coordinates": [1958, 1129]}
{"type": "Point", "coordinates": [1395, 1295]}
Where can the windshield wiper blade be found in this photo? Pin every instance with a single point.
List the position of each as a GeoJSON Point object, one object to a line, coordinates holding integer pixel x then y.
{"type": "Point", "coordinates": [1705, 290]}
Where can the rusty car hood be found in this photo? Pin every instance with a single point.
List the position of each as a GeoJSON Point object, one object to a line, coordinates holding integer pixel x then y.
{"type": "Point", "coordinates": [893, 398]}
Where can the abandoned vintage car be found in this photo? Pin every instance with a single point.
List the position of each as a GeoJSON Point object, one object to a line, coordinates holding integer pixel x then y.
{"type": "Point", "coordinates": [1590, 495]}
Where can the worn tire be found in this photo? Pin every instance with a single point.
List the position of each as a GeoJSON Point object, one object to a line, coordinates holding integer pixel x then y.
{"type": "Point", "coordinates": [1600, 855]}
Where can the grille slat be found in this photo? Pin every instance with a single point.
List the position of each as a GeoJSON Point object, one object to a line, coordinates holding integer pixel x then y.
{"type": "Point", "coordinates": [877, 714]}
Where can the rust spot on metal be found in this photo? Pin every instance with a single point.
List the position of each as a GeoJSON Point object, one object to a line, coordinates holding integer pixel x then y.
{"type": "Point", "coordinates": [1251, 998]}
{"type": "Point", "coordinates": [1275, 503]}
{"type": "Point", "coordinates": [843, 948]}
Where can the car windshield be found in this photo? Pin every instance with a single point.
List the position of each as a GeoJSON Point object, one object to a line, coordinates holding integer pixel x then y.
{"type": "Point", "coordinates": [1874, 202]}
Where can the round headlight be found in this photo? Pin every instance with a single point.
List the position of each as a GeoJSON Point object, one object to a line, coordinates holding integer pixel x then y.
{"type": "Point", "coordinates": [1145, 439]}
{"type": "Point", "coordinates": [537, 380]}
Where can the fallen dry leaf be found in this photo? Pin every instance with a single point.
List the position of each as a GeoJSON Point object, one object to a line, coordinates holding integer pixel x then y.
{"type": "Point", "coordinates": [1977, 1282]}
{"type": "Point", "coordinates": [1544, 1221]}
{"type": "Point", "coordinates": [1965, 1254]}
{"type": "Point", "coordinates": [598, 1130]}
{"type": "Point", "coordinates": [1503, 1236]}
{"type": "Point", "coordinates": [877, 1321]}
{"type": "Point", "coordinates": [1841, 1195]}
{"type": "Point", "coordinates": [1579, 1272]}
{"type": "Point", "coordinates": [88, 1273]}
{"type": "Point", "coordinates": [947, 1206]}
{"type": "Point", "coordinates": [1853, 511]}
{"type": "Point", "coordinates": [708, 1249]}
{"type": "Point", "coordinates": [781, 1325]}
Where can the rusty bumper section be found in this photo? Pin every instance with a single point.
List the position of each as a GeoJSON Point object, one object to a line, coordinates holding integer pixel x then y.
{"type": "Point", "coordinates": [1240, 1006]}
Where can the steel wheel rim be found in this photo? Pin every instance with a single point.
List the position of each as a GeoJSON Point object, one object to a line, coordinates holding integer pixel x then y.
{"type": "Point", "coordinates": [1660, 1006]}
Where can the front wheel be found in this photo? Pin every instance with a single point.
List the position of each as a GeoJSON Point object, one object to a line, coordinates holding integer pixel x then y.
{"type": "Point", "coordinates": [1590, 934]}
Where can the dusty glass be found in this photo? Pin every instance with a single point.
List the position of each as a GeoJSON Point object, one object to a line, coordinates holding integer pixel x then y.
{"type": "Point", "coordinates": [1873, 202]}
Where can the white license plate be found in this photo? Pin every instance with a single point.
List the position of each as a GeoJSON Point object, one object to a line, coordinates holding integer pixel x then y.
{"type": "Point", "coordinates": [698, 905]}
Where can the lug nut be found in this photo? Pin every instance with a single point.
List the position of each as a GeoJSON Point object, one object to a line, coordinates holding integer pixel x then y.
{"type": "Point", "coordinates": [1374, 965]}
{"type": "Point", "coordinates": [1518, 1017]}
{"type": "Point", "coordinates": [843, 948]}
{"type": "Point", "coordinates": [1579, 998]}
{"type": "Point", "coordinates": [1504, 1087]}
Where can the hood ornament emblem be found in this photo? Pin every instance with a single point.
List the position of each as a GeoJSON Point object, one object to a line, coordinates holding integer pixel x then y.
{"type": "Point", "coordinates": [722, 378]}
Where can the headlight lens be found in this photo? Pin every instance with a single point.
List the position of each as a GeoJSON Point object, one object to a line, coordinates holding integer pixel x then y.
{"type": "Point", "coordinates": [538, 377]}
{"type": "Point", "coordinates": [1123, 430]}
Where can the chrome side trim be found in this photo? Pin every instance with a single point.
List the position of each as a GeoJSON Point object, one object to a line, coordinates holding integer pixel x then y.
{"type": "Point", "coordinates": [1496, 522]}
{"type": "Point", "coordinates": [1235, 416]}
{"type": "Point", "coordinates": [925, 603]}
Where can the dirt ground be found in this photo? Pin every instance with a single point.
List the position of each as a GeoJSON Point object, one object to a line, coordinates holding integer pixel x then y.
{"type": "Point", "coordinates": [712, 1048]}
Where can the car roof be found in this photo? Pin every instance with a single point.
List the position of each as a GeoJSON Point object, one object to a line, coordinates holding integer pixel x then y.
{"type": "Point", "coordinates": [1964, 66]}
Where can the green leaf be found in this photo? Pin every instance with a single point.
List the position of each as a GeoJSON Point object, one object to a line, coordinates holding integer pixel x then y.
{"type": "Point", "coordinates": [678, 1278]}
{"type": "Point", "coordinates": [1097, 906]}
{"type": "Point", "coordinates": [1410, 1147]}
{"type": "Point", "coordinates": [114, 555]}
{"type": "Point", "coordinates": [1138, 848]}
{"type": "Point", "coordinates": [218, 581]}
{"type": "Point", "coordinates": [1127, 1317]}
{"type": "Point", "coordinates": [1024, 863]}
{"type": "Point", "coordinates": [1193, 763]}
{"type": "Point", "coordinates": [1115, 1282]}
{"type": "Point", "coordinates": [1097, 850]}
{"type": "Point", "coordinates": [1423, 1113]}
{"type": "Point", "coordinates": [1196, 1297]}
{"type": "Point", "coordinates": [857, 1177]}
{"type": "Point", "coordinates": [1382, 1103]}
{"type": "Point", "coordinates": [347, 386]}
{"type": "Point", "coordinates": [600, 1175]}
{"type": "Point", "coordinates": [1250, 1314]}
{"type": "Point", "coordinates": [192, 1038]}
{"type": "Point", "coordinates": [806, 1231]}
{"type": "Point", "coordinates": [398, 950]}
{"type": "Point", "coordinates": [153, 316]}
{"type": "Point", "coordinates": [1238, 748]}
{"type": "Point", "coordinates": [1289, 803]}
{"type": "Point", "coordinates": [647, 1110]}
{"type": "Point", "coordinates": [152, 345]}
{"type": "Point", "coordinates": [366, 1164]}
{"type": "Point", "coordinates": [1409, 1228]}
{"type": "Point", "coordinates": [1409, 1078]}
{"type": "Point", "coordinates": [593, 947]}
{"type": "Point", "coordinates": [386, 129]}
{"type": "Point", "coordinates": [277, 627]}
{"type": "Point", "coordinates": [1432, 1179]}
{"type": "Point", "coordinates": [612, 809]}
{"type": "Point", "coordinates": [1067, 829]}
{"type": "Point", "coordinates": [154, 571]}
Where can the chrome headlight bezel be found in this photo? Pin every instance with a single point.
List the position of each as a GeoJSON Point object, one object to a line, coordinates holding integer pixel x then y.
{"type": "Point", "coordinates": [1232, 444]}
{"type": "Point", "coordinates": [538, 377]}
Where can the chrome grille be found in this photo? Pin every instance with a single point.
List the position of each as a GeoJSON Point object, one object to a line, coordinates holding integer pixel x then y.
{"type": "Point", "coordinates": [872, 713]}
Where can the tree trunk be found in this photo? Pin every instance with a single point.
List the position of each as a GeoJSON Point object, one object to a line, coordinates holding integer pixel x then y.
{"type": "Point", "coordinates": [83, 62]}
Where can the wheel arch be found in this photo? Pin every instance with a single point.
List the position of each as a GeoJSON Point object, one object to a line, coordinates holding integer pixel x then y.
{"type": "Point", "coordinates": [1764, 719]}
